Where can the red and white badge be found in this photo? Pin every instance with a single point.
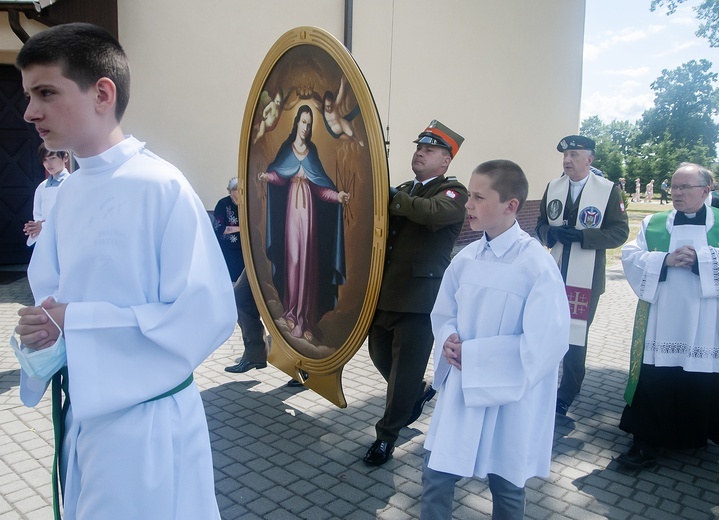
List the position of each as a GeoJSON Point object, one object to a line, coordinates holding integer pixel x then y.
{"type": "Point", "coordinates": [451, 194]}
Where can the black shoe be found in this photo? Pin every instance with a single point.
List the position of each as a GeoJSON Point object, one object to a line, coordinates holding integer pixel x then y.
{"type": "Point", "coordinates": [295, 383]}
{"type": "Point", "coordinates": [379, 453]}
{"type": "Point", "coordinates": [268, 346]}
{"type": "Point", "coordinates": [638, 458]}
{"type": "Point", "coordinates": [423, 399]}
{"type": "Point", "coordinates": [562, 407]}
{"type": "Point", "coordinates": [244, 366]}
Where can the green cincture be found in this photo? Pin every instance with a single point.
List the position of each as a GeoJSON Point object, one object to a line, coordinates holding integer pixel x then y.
{"type": "Point", "coordinates": [59, 411]}
{"type": "Point", "coordinates": [657, 240]}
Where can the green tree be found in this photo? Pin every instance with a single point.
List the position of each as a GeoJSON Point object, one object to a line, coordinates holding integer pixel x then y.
{"type": "Point", "coordinates": [679, 128]}
{"type": "Point", "coordinates": [707, 12]}
{"type": "Point", "coordinates": [612, 142]}
{"type": "Point", "coordinates": [699, 154]}
{"type": "Point", "coordinates": [623, 134]}
{"type": "Point", "coordinates": [593, 127]}
{"type": "Point", "coordinates": [612, 163]}
{"type": "Point", "coordinates": [665, 159]}
{"type": "Point", "coordinates": [685, 102]}
{"type": "Point", "coordinates": [639, 165]}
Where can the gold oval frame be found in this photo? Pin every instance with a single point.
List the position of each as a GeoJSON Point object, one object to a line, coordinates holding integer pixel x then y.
{"type": "Point", "coordinates": [323, 375]}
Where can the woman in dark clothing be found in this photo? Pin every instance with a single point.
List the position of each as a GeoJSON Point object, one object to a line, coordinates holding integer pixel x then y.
{"type": "Point", "coordinates": [227, 229]}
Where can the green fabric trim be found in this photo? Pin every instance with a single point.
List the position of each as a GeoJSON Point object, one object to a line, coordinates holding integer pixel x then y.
{"type": "Point", "coordinates": [713, 234]}
{"type": "Point", "coordinates": [656, 233]}
{"type": "Point", "coordinates": [657, 240]}
{"type": "Point", "coordinates": [636, 355]}
{"type": "Point", "coordinates": [59, 411]}
{"type": "Point", "coordinates": [172, 391]}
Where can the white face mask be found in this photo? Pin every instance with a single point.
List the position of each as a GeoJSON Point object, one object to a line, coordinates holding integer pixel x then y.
{"type": "Point", "coordinates": [41, 364]}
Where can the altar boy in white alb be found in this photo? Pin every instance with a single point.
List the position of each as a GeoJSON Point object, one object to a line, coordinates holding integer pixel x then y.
{"type": "Point", "coordinates": [501, 327]}
{"type": "Point", "coordinates": [132, 294]}
{"type": "Point", "coordinates": [55, 164]}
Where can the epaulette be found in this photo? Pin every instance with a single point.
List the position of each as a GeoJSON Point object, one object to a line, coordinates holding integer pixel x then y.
{"type": "Point", "coordinates": [406, 183]}
{"type": "Point", "coordinates": [453, 180]}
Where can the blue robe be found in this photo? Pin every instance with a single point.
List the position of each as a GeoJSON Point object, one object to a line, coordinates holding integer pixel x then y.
{"type": "Point", "coordinates": [328, 219]}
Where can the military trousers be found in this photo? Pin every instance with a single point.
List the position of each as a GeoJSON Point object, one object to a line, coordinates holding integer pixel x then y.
{"type": "Point", "coordinates": [399, 345]}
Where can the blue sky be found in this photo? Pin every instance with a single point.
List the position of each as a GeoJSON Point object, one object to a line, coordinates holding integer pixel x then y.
{"type": "Point", "coordinates": [626, 46]}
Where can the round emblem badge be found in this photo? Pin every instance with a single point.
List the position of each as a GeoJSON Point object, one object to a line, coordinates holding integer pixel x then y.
{"type": "Point", "coordinates": [590, 217]}
{"type": "Point", "coordinates": [554, 209]}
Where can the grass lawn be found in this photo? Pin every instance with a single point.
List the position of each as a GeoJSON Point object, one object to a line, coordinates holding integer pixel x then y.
{"type": "Point", "coordinates": [636, 212]}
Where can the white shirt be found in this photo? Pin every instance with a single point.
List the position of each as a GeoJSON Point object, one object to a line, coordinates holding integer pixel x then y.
{"type": "Point", "coordinates": [575, 187]}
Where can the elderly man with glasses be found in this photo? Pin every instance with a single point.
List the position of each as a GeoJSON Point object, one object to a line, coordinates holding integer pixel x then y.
{"type": "Point", "coordinates": [673, 267]}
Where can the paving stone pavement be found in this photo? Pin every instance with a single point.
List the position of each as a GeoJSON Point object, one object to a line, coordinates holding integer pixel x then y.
{"type": "Point", "coordinates": [286, 453]}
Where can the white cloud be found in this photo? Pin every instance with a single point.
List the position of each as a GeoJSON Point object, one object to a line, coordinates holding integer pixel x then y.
{"type": "Point", "coordinates": [685, 17]}
{"type": "Point", "coordinates": [626, 48]}
{"type": "Point", "coordinates": [636, 72]}
{"type": "Point", "coordinates": [654, 29]}
{"type": "Point", "coordinates": [630, 84]}
{"type": "Point", "coordinates": [592, 51]}
{"type": "Point", "coordinates": [680, 48]}
{"type": "Point", "coordinates": [616, 106]}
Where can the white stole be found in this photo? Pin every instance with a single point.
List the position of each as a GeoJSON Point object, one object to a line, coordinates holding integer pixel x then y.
{"type": "Point", "coordinates": [592, 206]}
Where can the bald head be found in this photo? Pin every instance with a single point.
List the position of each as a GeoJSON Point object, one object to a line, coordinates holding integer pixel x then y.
{"type": "Point", "coordinates": [691, 184]}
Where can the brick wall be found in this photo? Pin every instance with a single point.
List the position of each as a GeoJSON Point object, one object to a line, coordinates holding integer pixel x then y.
{"type": "Point", "coordinates": [527, 219]}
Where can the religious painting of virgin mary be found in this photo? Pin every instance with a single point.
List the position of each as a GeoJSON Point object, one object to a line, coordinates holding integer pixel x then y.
{"type": "Point", "coordinates": [314, 185]}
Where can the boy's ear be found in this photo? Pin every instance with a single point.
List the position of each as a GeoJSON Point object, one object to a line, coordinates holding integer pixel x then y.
{"type": "Point", "coordinates": [512, 205]}
{"type": "Point", "coordinates": [106, 94]}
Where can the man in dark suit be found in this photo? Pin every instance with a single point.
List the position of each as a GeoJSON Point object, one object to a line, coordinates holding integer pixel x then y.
{"type": "Point", "coordinates": [426, 216]}
{"type": "Point", "coordinates": [580, 217]}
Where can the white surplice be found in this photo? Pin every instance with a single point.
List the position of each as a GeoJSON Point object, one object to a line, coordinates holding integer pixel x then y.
{"type": "Point", "coordinates": [682, 324]}
{"type": "Point", "coordinates": [132, 250]}
{"type": "Point", "coordinates": [506, 300]}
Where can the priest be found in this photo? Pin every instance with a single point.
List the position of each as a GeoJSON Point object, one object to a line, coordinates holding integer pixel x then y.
{"type": "Point", "coordinates": [580, 217]}
{"type": "Point", "coordinates": [672, 266]}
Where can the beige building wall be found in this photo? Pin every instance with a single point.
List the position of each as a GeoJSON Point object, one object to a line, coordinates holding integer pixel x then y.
{"type": "Point", "coordinates": [506, 74]}
{"type": "Point", "coordinates": [9, 43]}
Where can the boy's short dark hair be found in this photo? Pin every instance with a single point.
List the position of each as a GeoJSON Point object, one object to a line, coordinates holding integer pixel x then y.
{"type": "Point", "coordinates": [85, 53]}
{"type": "Point", "coordinates": [43, 152]}
{"type": "Point", "coordinates": [507, 179]}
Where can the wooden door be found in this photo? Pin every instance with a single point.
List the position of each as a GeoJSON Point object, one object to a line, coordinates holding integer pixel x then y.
{"type": "Point", "coordinates": [20, 170]}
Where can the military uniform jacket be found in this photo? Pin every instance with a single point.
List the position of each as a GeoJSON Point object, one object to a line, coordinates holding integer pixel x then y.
{"type": "Point", "coordinates": [612, 233]}
{"type": "Point", "coordinates": [423, 228]}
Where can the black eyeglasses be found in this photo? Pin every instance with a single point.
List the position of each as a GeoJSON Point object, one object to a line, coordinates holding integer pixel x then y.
{"type": "Point", "coordinates": [683, 187]}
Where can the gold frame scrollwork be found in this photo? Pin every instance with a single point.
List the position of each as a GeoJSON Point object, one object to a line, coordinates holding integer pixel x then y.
{"type": "Point", "coordinates": [309, 56]}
